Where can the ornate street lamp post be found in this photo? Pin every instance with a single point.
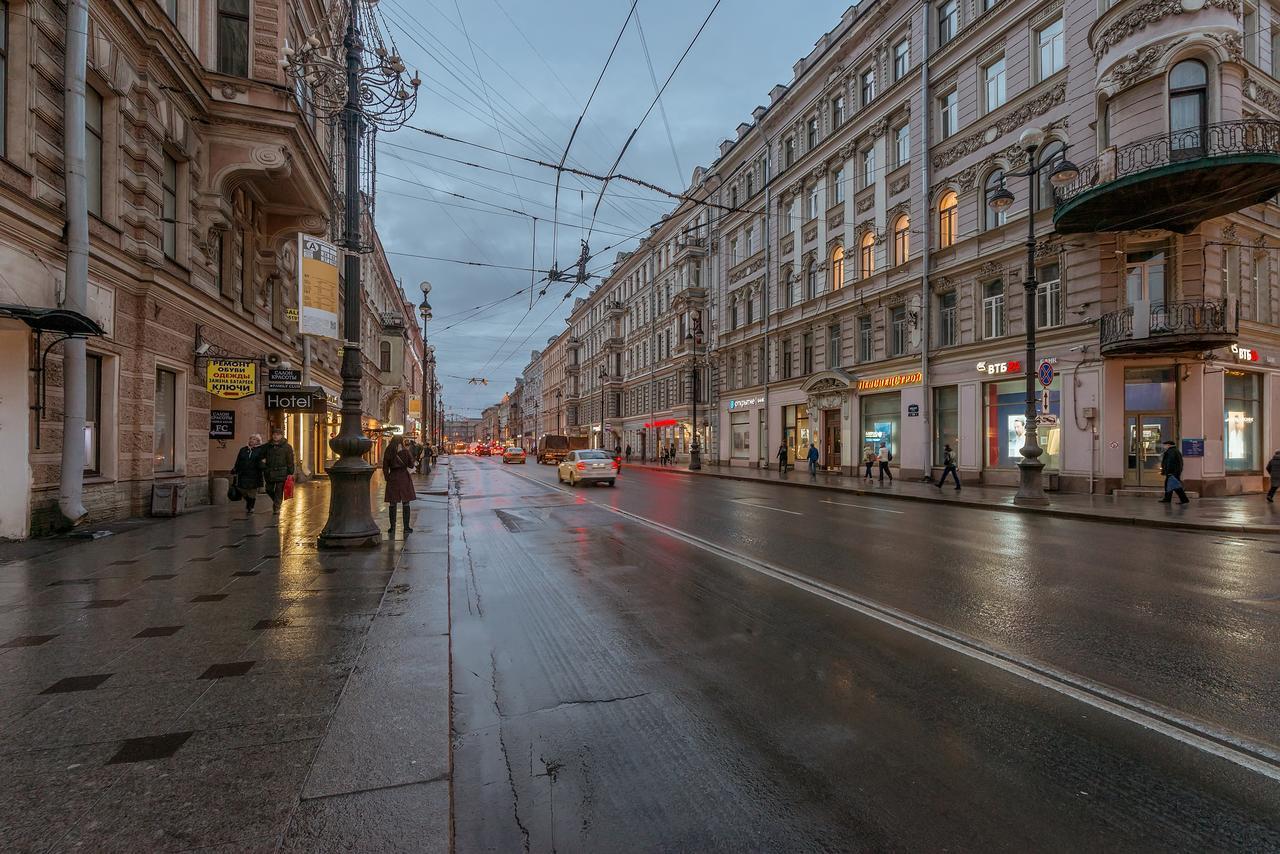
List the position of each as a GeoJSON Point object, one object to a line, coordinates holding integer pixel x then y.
{"type": "Point", "coordinates": [559, 396]}
{"type": "Point", "coordinates": [604, 375]}
{"type": "Point", "coordinates": [695, 450]}
{"type": "Point", "coordinates": [1031, 467]}
{"type": "Point", "coordinates": [357, 87]}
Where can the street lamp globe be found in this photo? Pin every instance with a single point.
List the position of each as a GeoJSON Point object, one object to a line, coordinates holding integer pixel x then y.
{"type": "Point", "coordinates": [1064, 173]}
{"type": "Point", "coordinates": [426, 289]}
{"type": "Point", "coordinates": [1001, 199]}
{"type": "Point", "coordinates": [1030, 138]}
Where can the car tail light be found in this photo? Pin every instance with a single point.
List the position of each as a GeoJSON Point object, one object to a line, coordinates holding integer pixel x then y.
{"type": "Point", "coordinates": [615, 465]}
{"type": "Point", "coordinates": [582, 466]}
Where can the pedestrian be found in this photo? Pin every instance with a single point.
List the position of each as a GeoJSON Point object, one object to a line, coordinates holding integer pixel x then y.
{"type": "Point", "coordinates": [396, 462]}
{"type": "Point", "coordinates": [628, 452]}
{"type": "Point", "coordinates": [884, 458]}
{"type": "Point", "coordinates": [1273, 472]}
{"type": "Point", "coordinates": [277, 467]}
{"type": "Point", "coordinates": [617, 455]}
{"type": "Point", "coordinates": [246, 474]}
{"type": "Point", "coordinates": [1171, 468]}
{"type": "Point", "coordinates": [868, 459]}
{"type": "Point", "coordinates": [782, 458]}
{"type": "Point", "coordinates": [426, 456]}
{"type": "Point", "coordinates": [813, 459]}
{"type": "Point", "coordinates": [949, 467]}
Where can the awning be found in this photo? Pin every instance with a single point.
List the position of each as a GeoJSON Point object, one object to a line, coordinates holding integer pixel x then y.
{"type": "Point", "coordinates": [59, 320]}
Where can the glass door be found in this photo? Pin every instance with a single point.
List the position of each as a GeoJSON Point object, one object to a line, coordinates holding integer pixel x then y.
{"type": "Point", "coordinates": [831, 443]}
{"type": "Point", "coordinates": [1146, 434]}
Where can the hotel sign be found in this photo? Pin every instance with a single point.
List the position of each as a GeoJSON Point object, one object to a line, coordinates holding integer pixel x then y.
{"type": "Point", "coordinates": [893, 381]}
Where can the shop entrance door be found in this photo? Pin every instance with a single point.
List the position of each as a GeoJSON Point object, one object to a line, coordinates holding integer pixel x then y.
{"type": "Point", "coordinates": [831, 438]}
{"type": "Point", "coordinates": [1146, 434]}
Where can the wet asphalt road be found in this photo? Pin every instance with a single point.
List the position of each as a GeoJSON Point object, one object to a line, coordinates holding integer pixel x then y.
{"type": "Point", "coordinates": [619, 687]}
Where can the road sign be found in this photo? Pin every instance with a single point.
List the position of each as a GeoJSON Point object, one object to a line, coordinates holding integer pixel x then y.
{"type": "Point", "coordinates": [1048, 419]}
{"type": "Point", "coordinates": [1046, 374]}
{"type": "Point", "coordinates": [1044, 401]}
{"type": "Point", "coordinates": [913, 410]}
{"type": "Point", "coordinates": [309, 399]}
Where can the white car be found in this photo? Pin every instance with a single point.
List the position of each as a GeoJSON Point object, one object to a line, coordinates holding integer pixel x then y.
{"type": "Point", "coordinates": [588, 467]}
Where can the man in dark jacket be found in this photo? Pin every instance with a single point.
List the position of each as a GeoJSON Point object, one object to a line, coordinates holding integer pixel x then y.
{"type": "Point", "coordinates": [277, 466]}
{"type": "Point", "coordinates": [1273, 471]}
{"type": "Point", "coordinates": [1171, 468]}
{"type": "Point", "coordinates": [246, 474]}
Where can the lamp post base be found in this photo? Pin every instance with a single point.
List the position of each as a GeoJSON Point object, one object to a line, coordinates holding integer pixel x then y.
{"type": "Point", "coordinates": [351, 524]}
{"type": "Point", "coordinates": [695, 459]}
{"type": "Point", "coordinates": [1031, 482]}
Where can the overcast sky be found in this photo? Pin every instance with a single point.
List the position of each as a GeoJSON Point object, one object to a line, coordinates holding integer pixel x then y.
{"type": "Point", "coordinates": [538, 60]}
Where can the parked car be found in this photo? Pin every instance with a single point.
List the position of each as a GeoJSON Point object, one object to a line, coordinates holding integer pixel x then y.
{"type": "Point", "coordinates": [513, 455]}
{"type": "Point", "coordinates": [588, 466]}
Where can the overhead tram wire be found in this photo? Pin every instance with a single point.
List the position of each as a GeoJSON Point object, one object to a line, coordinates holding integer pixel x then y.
{"type": "Point", "coordinates": [662, 110]}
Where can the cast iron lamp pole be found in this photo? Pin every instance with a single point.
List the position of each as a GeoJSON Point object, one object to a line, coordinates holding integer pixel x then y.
{"type": "Point", "coordinates": [695, 449]}
{"type": "Point", "coordinates": [1031, 467]}
{"type": "Point", "coordinates": [604, 374]}
{"type": "Point", "coordinates": [559, 395]}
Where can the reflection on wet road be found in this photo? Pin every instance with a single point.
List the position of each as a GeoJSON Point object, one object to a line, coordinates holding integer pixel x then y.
{"type": "Point", "coordinates": [717, 666]}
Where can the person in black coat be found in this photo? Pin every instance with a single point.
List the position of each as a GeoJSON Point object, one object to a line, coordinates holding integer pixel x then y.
{"type": "Point", "coordinates": [1273, 471]}
{"type": "Point", "coordinates": [246, 474]}
{"type": "Point", "coordinates": [1171, 468]}
{"type": "Point", "coordinates": [277, 466]}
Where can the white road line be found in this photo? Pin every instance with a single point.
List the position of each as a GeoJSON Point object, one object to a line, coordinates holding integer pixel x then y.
{"type": "Point", "coordinates": [1255, 756]}
{"type": "Point", "coordinates": [863, 506]}
{"type": "Point", "coordinates": [751, 502]}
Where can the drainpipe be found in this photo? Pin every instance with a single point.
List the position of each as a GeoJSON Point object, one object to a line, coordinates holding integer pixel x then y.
{"type": "Point", "coordinates": [926, 111]}
{"type": "Point", "coordinates": [75, 298]}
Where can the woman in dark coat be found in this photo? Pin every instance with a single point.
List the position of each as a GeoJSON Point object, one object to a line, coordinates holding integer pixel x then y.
{"type": "Point", "coordinates": [246, 474]}
{"type": "Point", "coordinates": [396, 464]}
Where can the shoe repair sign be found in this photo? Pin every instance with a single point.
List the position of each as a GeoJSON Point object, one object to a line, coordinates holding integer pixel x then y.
{"type": "Point", "coordinates": [231, 378]}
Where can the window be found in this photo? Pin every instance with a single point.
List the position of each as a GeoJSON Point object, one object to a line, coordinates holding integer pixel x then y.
{"type": "Point", "coordinates": [868, 167]}
{"type": "Point", "coordinates": [219, 248]}
{"type": "Point", "coordinates": [864, 339]}
{"type": "Point", "coordinates": [833, 346]}
{"type": "Point", "coordinates": [948, 114]}
{"type": "Point", "coordinates": [740, 426]}
{"type": "Point", "coordinates": [4, 72]}
{"type": "Point", "coordinates": [789, 151]}
{"type": "Point", "coordinates": [898, 325]}
{"type": "Point", "coordinates": [750, 239]}
{"type": "Point", "coordinates": [1051, 50]}
{"type": "Point", "coordinates": [868, 86]}
{"type": "Point", "coordinates": [837, 187]}
{"type": "Point", "coordinates": [93, 415]}
{"type": "Point", "coordinates": [1188, 85]}
{"type": "Point", "coordinates": [1250, 33]}
{"type": "Point", "coordinates": [811, 281]}
{"type": "Point", "coordinates": [902, 239]}
{"type": "Point", "coordinates": [733, 196]}
{"type": "Point", "coordinates": [164, 441]}
{"type": "Point", "coordinates": [1049, 296]}
{"type": "Point", "coordinates": [946, 423]}
{"type": "Point", "coordinates": [992, 218]}
{"type": "Point", "coordinates": [751, 185]}
{"type": "Point", "coordinates": [1054, 150]}
{"type": "Point", "coordinates": [993, 309]}
{"type": "Point", "coordinates": [733, 250]}
{"type": "Point", "coordinates": [1262, 287]}
{"type": "Point", "coordinates": [786, 359]}
{"type": "Point", "coordinates": [811, 203]}
{"type": "Point", "coordinates": [811, 134]}
{"type": "Point", "coordinates": [384, 356]}
{"type": "Point", "coordinates": [837, 268]}
{"type": "Point", "coordinates": [948, 331]}
{"type": "Point", "coordinates": [751, 309]}
{"type": "Point", "coordinates": [1242, 416]}
{"type": "Point", "coordinates": [948, 21]}
{"type": "Point", "coordinates": [233, 37]}
{"type": "Point", "coordinates": [837, 111]}
{"type": "Point", "coordinates": [171, 9]}
{"type": "Point", "coordinates": [993, 85]}
{"type": "Point", "coordinates": [1275, 53]}
{"type": "Point", "coordinates": [867, 266]}
{"type": "Point", "coordinates": [1145, 276]}
{"type": "Point", "coordinates": [947, 219]}
{"type": "Point", "coordinates": [902, 145]}
{"type": "Point", "coordinates": [901, 59]}
{"type": "Point", "coordinates": [93, 148]}
{"type": "Point", "coordinates": [807, 352]}
{"type": "Point", "coordinates": [169, 207]}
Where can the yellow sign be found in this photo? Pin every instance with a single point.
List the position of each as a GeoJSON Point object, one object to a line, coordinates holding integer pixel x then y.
{"type": "Point", "coordinates": [415, 407]}
{"type": "Point", "coordinates": [891, 381]}
{"type": "Point", "coordinates": [317, 287]}
{"type": "Point", "coordinates": [231, 378]}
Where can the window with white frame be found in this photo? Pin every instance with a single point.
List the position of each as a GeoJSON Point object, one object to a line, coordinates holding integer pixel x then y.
{"type": "Point", "coordinates": [837, 267]}
{"type": "Point", "coordinates": [899, 332]}
{"type": "Point", "coordinates": [1051, 50]}
{"type": "Point", "coordinates": [868, 86]}
{"type": "Point", "coordinates": [902, 239]}
{"type": "Point", "coordinates": [789, 151]}
{"type": "Point", "coordinates": [868, 167]}
{"type": "Point", "coordinates": [993, 309]}
{"type": "Point", "coordinates": [833, 346]}
{"type": "Point", "coordinates": [811, 281]}
{"type": "Point", "coordinates": [1052, 151]}
{"type": "Point", "coordinates": [865, 351]}
{"type": "Point", "coordinates": [1250, 33]}
{"type": "Point", "coordinates": [948, 328]}
{"type": "Point", "coordinates": [867, 263]}
{"type": "Point", "coordinates": [750, 239]}
{"type": "Point", "coordinates": [993, 83]}
{"type": "Point", "coordinates": [811, 134]}
{"type": "Point", "coordinates": [837, 111]}
{"type": "Point", "coordinates": [837, 187]}
{"type": "Point", "coordinates": [901, 59]}
{"type": "Point", "coordinates": [811, 203]}
{"type": "Point", "coordinates": [991, 217]}
{"type": "Point", "coordinates": [948, 21]}
{"type": "Point", "coordinates": [948, 113]}
{"type": "Point", "coordinates": [93, 148]}
{"type": "Point", "coordinates": [164, 435]}
{"type": "Point", "coordinates": [1262, 287]}
{"type": "Point", "coordinates": [1049, 296]}
{"type": "Point", "coordinates": [902, 145]}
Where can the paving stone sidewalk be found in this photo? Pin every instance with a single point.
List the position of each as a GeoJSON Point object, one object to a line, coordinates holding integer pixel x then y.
{"type": "Point", "coordinates": [1237, 514]}
{"type": "Point", "coordinates": [214, 680]}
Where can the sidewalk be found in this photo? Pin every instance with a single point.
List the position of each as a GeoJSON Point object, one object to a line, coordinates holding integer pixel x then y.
{"type": "Point", "coordinates": [1239, 514]}
{"type": "Point", "coordinates": [215, 680]}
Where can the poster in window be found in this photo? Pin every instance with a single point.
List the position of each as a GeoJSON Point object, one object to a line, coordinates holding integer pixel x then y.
{"type": "Point", "coordinates": [317, 287]}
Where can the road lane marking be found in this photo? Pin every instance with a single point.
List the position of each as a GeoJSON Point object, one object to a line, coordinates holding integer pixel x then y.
{"type": "Point", "coordinates": [863, 506]}
{"type": "Point", "coordinates": [1255, 756]}
{"type": "Point", "coordinates": [750, 502]}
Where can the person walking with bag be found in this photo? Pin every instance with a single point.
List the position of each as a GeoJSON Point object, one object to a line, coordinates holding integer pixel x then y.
{"type": "Point", "coordinates": [1273, 472]}
{"type": "Point", "coordinates": [277, 468]}
{"type": "Point", "coordinates": [246, 474]}
{"type": "Point", "coordinates": [813, 459]}
{"type": "Point", "coordinates": [949, 467]}
{"type": "Point", "coordinates": [397, 460]}
{"type": "Point", "coordinates": [868, 459]}
{"type": "Point", "coordinates": [782, 458]}
{"type": "Point", "coordinates": [885, 457]}
{"type": "Point", "coordinates": [1171, 468]}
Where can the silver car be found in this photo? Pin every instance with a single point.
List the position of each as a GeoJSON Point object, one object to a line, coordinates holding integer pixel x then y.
{"type": "Point", "coordinates": [588, 467]}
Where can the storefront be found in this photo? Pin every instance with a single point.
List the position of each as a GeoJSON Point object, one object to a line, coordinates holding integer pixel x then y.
{"type": "Point", "coordinates": [1244, 450]}
{"type": "Point", "coordinates": [1005, 422]}
{"type": "Point", "coordinates": [882, 422]}
{"type": "Point", "coordinates": [1150, 418]}
{"type": "Point", "coordinates": [795, 432]}
{"type": "Point", "coordinates": [742, 444]}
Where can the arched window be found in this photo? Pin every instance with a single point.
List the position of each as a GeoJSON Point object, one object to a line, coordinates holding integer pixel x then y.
{"type": "Point", "coordinates": [384, 356]}
{"type": "Point", "coordinates": [868, 255]}
{"type": "Point", "coordinates": [947, 219]}
{"type": "Point", "coordinates": [837, 268]}
{"type": "Point", "coordinates": [992, 218]}
{"type": "Point", "coordinates": [1188, 107]}
{"type": "Point", "coordinates": [902, 239]}
{"type": "Point", "coordinates": [810, 280]}
{"type": "Point", "coordinates": [1044, 188]}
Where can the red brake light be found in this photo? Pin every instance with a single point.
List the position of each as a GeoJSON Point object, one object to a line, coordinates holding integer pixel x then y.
{"type": "Point", "coordinates": [582, 467]}
{"type": "Point", "coordinates": [615, 465]}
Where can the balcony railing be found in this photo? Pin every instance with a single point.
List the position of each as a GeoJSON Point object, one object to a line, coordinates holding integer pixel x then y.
{"type": "Point", "coordinates": [1190, 323]}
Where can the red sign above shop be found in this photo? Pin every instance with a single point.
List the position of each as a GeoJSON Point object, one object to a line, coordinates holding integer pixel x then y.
{"type": "Point", "coordinates": [666, 422]}
{"type": "Point", "coordinates": [1012, 366]}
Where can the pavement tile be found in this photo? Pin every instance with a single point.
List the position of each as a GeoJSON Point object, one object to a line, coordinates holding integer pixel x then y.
{"type": "Point", "coordinates": [77, 683]}
{"type": "Point", "coordinates": [158, 632]}
{"type": "Point", "coordinates": [227, 670]}
{"type": "Point", "coordinates": [209, 597]}
{"type": "Point", "coordinates": [43, 793]}
{"type": "Point", "coordinates": [149, 747]}
{"type": "Point", "coordinates": [29, 640]}
{"type": "Point", "coordinates": [404, 818]}
{"type": "Point", "coordinates": [107, 714]}
{"type": "Point", "coordinates": [265, 697]}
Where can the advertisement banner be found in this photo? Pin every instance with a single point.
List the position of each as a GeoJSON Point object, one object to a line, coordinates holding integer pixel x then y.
{"type": "Point", "coordinates": [231, 379]}
{"type": "Point", "coordinates": [415, 406]}
{"type": "Point", "coordinates": [222, 424]}
{"type": "Point", "coordinates": [317, 287]}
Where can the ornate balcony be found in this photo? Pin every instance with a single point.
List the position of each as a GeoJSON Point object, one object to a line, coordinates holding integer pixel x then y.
{"type": "Point", "coordinates": [1174, 181]}
{"type": "Point", "coordinates": [1168, 327]}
